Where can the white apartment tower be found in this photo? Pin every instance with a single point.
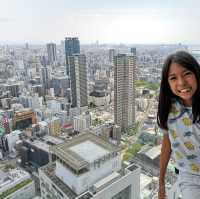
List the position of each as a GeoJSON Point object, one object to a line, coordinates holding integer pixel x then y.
{"type": "Point", "coordinates": [124, 90]}
{"type": "Point", "coordinates": [78, 80]}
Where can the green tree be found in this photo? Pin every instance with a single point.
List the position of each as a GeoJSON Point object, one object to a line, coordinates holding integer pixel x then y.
{"type": "Point", "coordinates": [133, 130]}
{"type": "Point", "coordinates": [127, 156]}
{"type": "Point", "coordinates": [147, 85]}
{"type": "Point", "coordinates": [131, 151]}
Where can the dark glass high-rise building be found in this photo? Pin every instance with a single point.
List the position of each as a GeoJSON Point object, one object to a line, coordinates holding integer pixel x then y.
{"type": "Point", "coordinates": [72, 46]}
{"type": "Point", "coordinates": [133, 51]}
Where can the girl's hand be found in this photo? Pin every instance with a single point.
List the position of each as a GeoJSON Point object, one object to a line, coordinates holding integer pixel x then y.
{"type": "Point", "coordinates": [161, 192]}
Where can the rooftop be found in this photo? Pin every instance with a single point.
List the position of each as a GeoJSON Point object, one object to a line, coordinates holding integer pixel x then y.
{"type": "Point", "coordinates": [24, 111]}
{"type": "Point", "coordinates": [13, 176]}
{"type": "Point", "coordinates": [39, 144]}
{"type": "Point", "coordinates": [53, 140]}
{"type": "Point", "coordinates": [83, 149]}
{"type": "Point", "coordinates": [153, 152]}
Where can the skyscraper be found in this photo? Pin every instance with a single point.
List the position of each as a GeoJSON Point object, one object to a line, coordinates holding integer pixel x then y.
{"type": "Point", "coordinates": [124, 90]}
{"type": "Point", "coordinates": [112, 53]}
{"type": "Point", "coordinates": [78, 80]}
{"type": "Point", "coordinates": [133, 50]}
{"type": "Point", "coordinates": [45, 77]}
{"type": "Point", "coordinates": [51, 52]}
{"type": "Point", "coordinates": [72, 46]}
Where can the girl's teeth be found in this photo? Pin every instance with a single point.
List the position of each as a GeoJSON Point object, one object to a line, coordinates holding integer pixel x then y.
{"type": "Point", "coordinates": [185, 90]}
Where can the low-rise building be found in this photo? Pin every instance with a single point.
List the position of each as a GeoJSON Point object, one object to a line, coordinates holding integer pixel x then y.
{"type": "Point", "coordinates": [149, 157]}
{"type": "Point", "coordinates": [36, 152]}
{"type": "Point", "coordinates": [16, 184]}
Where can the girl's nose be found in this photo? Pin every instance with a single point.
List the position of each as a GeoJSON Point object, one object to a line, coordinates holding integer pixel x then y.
{"type": "Point", "coordinates": [181, 81]}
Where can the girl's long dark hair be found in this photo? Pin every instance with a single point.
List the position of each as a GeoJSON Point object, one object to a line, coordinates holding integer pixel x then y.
{"type": "Point", "coordinates": [165, 98]}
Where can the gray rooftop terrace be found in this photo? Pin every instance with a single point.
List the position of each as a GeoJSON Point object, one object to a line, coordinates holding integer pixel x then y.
{"type": "Point", "coordinates": [83, 150]}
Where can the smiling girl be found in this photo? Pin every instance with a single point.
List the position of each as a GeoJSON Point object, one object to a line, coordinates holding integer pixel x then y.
{"type": "Point", "coordinates": [179, 119]}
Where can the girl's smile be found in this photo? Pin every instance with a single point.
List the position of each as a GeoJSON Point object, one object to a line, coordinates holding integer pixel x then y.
{"type": "Point", "coordinates": [182, 83]}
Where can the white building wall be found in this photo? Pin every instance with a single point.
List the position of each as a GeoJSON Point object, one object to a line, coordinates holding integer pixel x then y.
{"type": "Point", "coordinates": [132, 179]}
{"type": "Point", "coordinates": [81, 183]}
{"type": "Point", "coordinates": [36, 102]}
{"type": "Point", "coordinates": [54, 105]}
{"type": "Point", "coordinates": [46, 187]}
{"type": "Point", "coordinates": [12, 139]}
{"type": "Point", "coordinates": [81, 122]}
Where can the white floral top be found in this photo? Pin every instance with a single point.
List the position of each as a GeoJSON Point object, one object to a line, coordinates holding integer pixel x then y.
{"type": "Point", "coordinates": [185, 138]}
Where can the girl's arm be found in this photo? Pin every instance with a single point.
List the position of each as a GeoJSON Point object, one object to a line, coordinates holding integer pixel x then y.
{"type": "Point", "coordinates": [164, 159]}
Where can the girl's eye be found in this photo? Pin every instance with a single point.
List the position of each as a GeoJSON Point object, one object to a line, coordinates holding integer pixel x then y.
{"type": "Point", "coordinates": [188, 73]}
{"type": "Point", "coordinates": [172, 78]}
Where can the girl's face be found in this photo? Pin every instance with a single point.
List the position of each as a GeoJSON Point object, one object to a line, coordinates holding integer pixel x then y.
{"type": "Point", "coordinates": [182, 82]}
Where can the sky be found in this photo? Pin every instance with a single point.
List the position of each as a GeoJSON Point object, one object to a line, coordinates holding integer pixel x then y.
{"type": "Point", "coordinates": [108, 21]}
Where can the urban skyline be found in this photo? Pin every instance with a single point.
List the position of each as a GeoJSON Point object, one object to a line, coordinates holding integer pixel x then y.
{"type": "Point", "coordinates": [89, 133]}
{"type": "Point", "coordinates": [108, 22]}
